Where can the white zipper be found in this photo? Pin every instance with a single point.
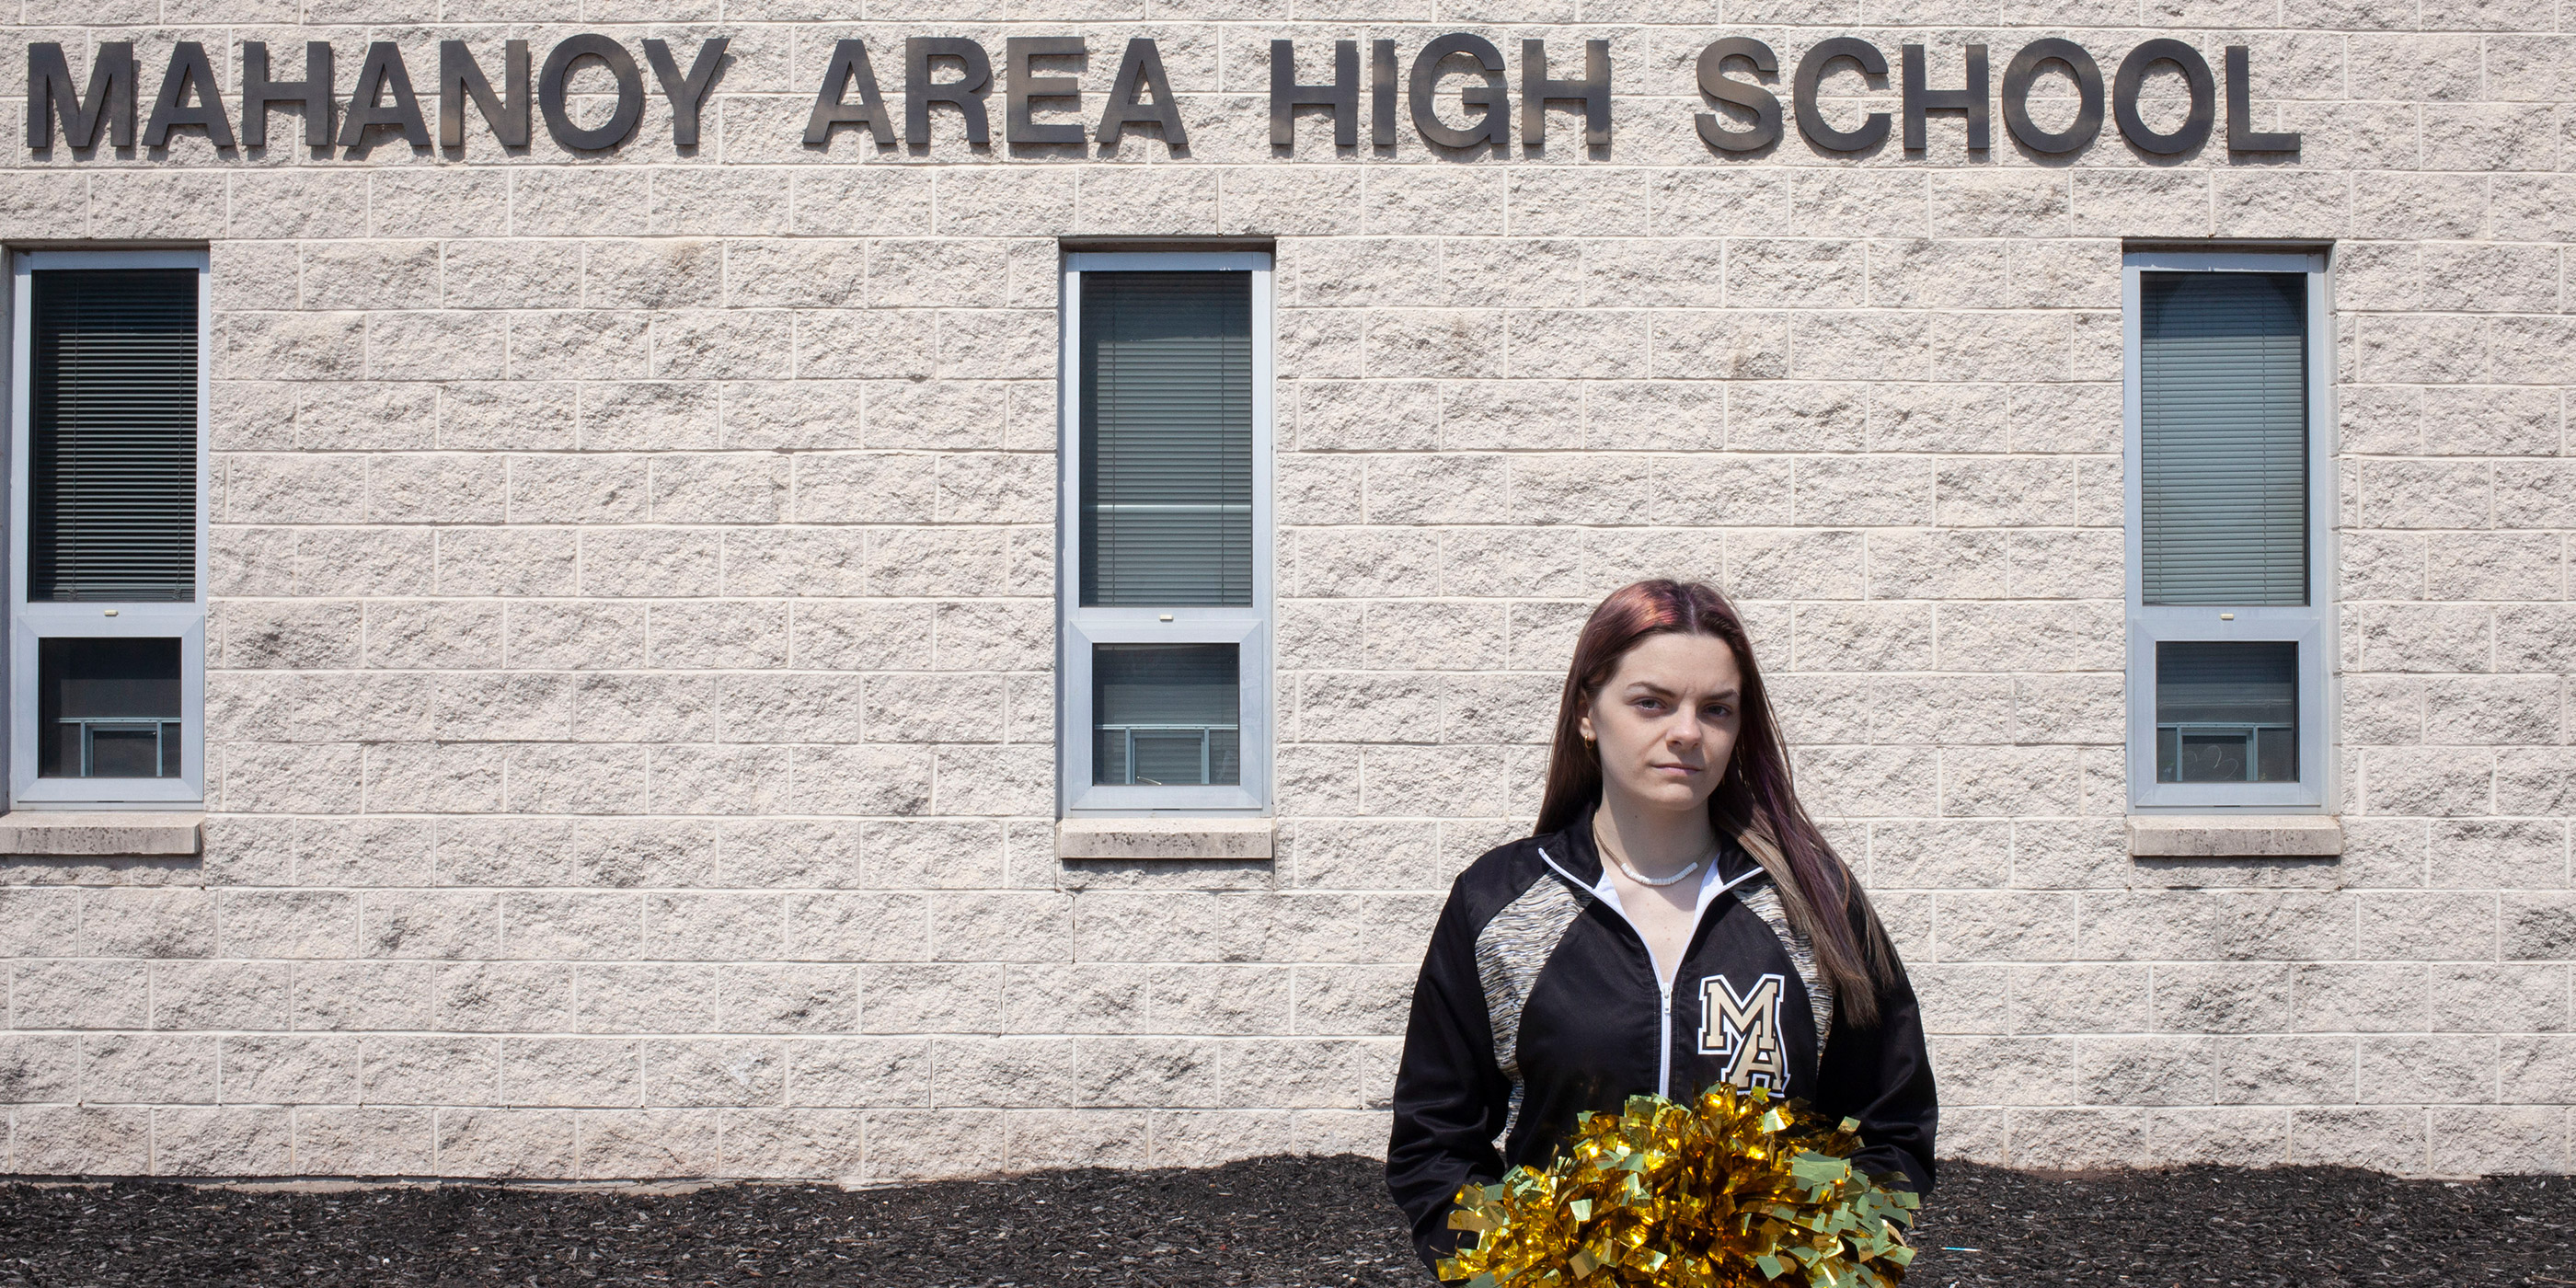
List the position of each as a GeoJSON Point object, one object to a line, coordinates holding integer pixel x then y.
{"type": "Point", "coordinates": [1664, 1033]}
{"type": "Point", "coordinates": [1609, 894]}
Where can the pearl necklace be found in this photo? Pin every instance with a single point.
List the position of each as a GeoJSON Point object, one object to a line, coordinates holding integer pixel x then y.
{"type": "Point", "coordinates": [1640, 879]}
{"type": "Point", "coordinates": [1636, 876]}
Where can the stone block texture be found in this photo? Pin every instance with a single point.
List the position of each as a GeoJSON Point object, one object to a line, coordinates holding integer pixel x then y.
{"type": "Point", "coordinates": [631, 701]}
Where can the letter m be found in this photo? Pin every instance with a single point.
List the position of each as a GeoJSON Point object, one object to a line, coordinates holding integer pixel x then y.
{"type": "Point", "coordinates": [1743, 1030]}
{"type": "Point", "coordinates": [50, 90]}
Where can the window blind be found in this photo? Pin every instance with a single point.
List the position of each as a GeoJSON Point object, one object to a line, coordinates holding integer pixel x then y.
{"type": "Point", "coordinates": [112, 469]}
{"type": "Point", "coordinates": [2223, 438]}
{"type": "Point", "coordinates": [1166, 468]}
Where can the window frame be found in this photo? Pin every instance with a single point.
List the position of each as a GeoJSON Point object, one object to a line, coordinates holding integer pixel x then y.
{"type": "Point", "coordinates": [2311, 626]}
{"type": "Point", "coordinates": [88, 619]}
{"type": "Point", "coordinates": [1079, 627]}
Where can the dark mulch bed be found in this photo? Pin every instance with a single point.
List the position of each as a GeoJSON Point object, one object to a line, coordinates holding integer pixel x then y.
{"type": "Point", "coordinates": [1270, 1221]}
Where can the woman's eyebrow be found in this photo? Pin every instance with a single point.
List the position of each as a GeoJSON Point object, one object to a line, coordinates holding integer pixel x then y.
{"type": "Point", "coordinates": [1649, 686]}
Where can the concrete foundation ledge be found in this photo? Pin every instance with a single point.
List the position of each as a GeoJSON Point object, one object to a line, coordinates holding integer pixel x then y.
{"type": "Point", "coordinates": [2223, 836]}
{"type": "Point", "coordinates": [101, 834]}
{"type": "Point", "coordinates": [1164, 838]}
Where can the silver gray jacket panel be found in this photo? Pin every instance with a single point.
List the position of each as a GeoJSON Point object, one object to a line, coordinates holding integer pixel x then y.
{"type": "Point", "coordinates": [1510, 951]}
{"type": "Point", "coordinates": [1765, 903]}
{"type": "Point", "coordinates": [1516, 944]}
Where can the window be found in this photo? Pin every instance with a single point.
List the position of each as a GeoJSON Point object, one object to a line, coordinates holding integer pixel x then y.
{"type": "Point", "coordinates": [2230, 486]}
{"type": "Point", "coordinates": [1165, 679]}
{"type": "Point", "coordinates": [107, 556]}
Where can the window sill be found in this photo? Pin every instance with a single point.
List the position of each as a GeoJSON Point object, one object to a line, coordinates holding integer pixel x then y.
{"type": "Point", "coordinates": [101, 834]}
{"type": "Point", "coordinates": [2229, 836]}
{"type": "Point", "coordinates": [1164, 838]}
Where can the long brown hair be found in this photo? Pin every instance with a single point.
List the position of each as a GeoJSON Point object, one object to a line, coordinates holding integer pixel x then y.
{"type": "Point", "coordinates": [1754, 802]}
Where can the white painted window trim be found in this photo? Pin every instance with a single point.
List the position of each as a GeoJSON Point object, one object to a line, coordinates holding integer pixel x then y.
{"type": "Point", "coordinates": [2312, 625]}
{"type": "Point", "coordinates": [30, 622]}
{"type": "Point", "coordinates": [1081, 627]}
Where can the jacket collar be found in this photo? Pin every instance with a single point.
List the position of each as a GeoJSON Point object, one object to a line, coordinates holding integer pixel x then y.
{"type": "Point", "coordinates": [1573, 853]}
{"type": "Point", "coordinates": [1572, 850]}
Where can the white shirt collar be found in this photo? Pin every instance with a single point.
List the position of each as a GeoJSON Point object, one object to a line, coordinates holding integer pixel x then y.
{"type": "Point", "coordinates": [1608, 890]}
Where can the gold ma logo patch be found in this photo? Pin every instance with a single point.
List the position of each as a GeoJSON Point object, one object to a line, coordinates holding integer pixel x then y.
{"type": "Point", "coordinates": [1743, 1030]}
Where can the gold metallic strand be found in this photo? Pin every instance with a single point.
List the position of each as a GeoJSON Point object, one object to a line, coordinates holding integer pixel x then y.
{"type": "Point", "coordinates": [1732, 1190]}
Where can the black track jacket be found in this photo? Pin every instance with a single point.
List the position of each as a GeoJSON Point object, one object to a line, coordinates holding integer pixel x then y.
{"type": "Point", "coordinates": [1538, 1000]}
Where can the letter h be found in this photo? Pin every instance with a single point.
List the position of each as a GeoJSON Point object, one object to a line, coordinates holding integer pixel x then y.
{"type": "Point", "coordinates": [1343, 95]}
{"type": "Point", "coordinates": [314, 92]}
{"type": "Point", "coordinates": [1972, 100]}
{"type": "Point", "coordinates": [1537, 90]}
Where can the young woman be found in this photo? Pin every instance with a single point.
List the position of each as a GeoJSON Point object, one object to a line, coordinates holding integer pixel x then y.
{"type": "Point", "coordinates": [1675, 922]}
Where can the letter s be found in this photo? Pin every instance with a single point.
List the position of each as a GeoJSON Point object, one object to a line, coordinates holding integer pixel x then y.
{"type": "Point", "coordinates": [1764, 105]}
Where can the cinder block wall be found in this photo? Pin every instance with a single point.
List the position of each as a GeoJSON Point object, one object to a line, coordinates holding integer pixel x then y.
{"type": "Point", "coordinates": [631, 706]}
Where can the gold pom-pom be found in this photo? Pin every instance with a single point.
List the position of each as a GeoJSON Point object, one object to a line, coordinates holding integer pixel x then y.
{"type": "Point", "coordinates": [1734, 1190]}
